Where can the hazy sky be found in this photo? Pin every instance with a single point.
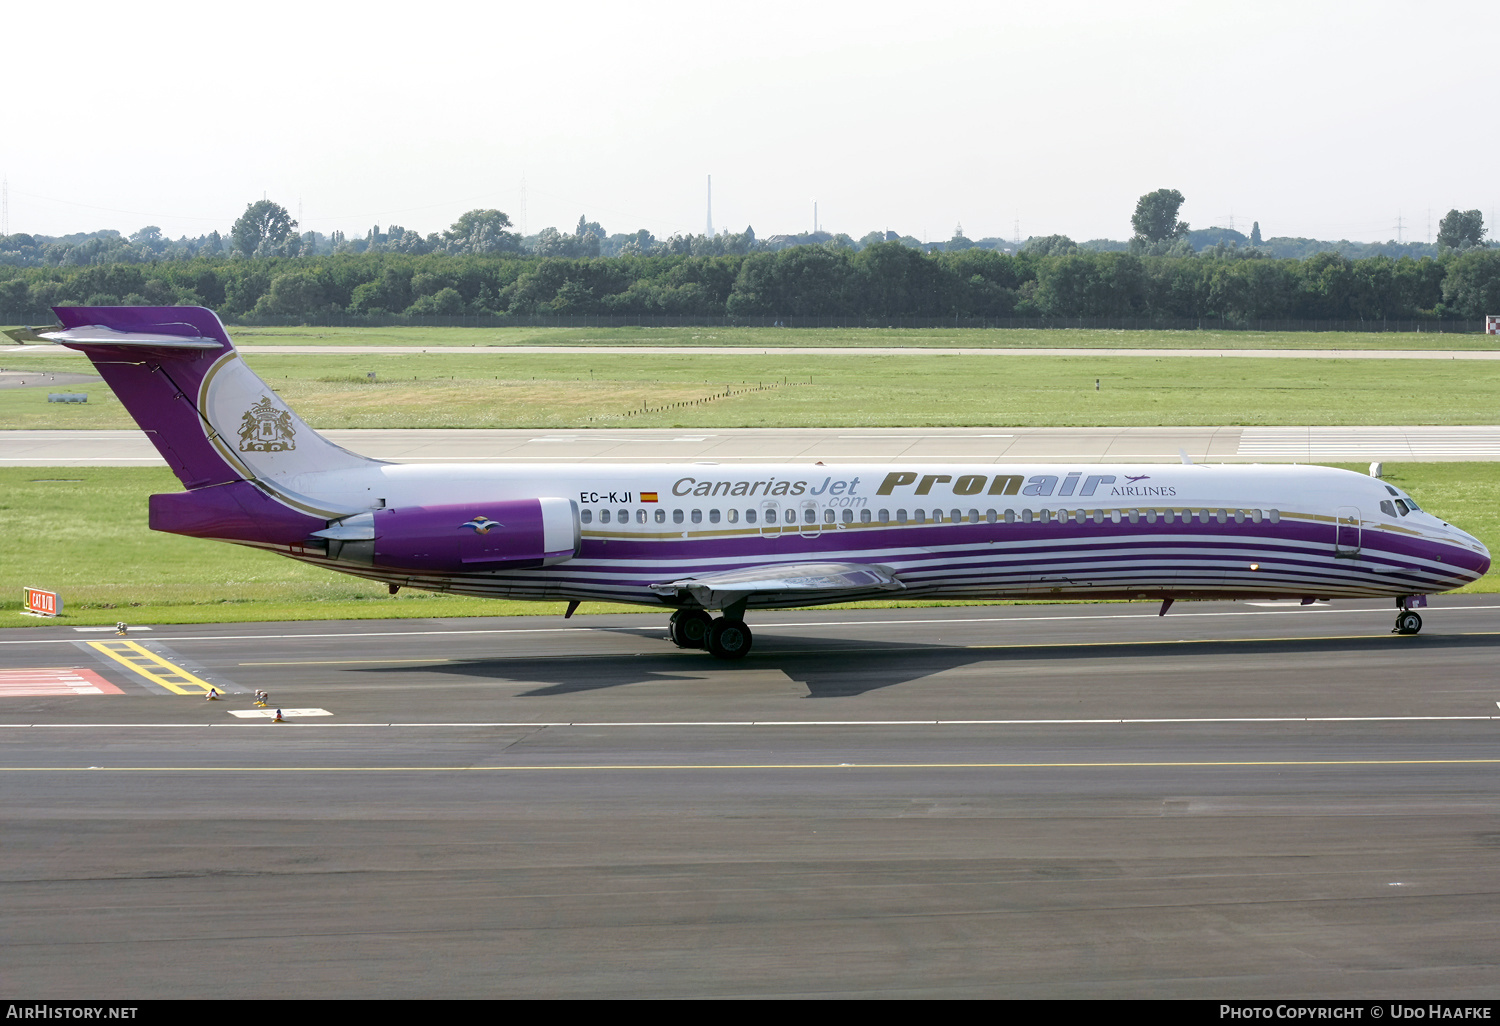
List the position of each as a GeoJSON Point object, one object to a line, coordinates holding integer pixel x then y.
{"type": "Point", "coordinates": [1316, 119]}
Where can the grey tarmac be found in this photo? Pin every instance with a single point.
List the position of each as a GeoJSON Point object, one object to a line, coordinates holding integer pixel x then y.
{"type": "Point", "coordinates": [1237, 800]}
{"type": "Point", "coordinates": [1392, 443]}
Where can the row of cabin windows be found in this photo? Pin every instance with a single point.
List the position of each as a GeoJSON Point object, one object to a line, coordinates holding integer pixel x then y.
{"type": "Point", "coordinates": [808, 514]}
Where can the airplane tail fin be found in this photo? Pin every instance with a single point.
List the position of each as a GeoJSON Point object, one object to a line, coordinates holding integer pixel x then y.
{"type": "Point", "coordinates": [212, 419]}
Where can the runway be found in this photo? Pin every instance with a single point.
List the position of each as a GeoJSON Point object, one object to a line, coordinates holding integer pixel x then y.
{"type": "Point", "coordinates": [1235, 800]}
{"type": "Point", "coordinates": [831, 445]}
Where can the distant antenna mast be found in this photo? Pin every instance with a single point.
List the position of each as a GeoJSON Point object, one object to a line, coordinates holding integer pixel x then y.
{"type": "Point", "coordinates": [5, 206]}
{"type": "Point", "coordinates": [1017, 230]}
{"type": "Point", "coordinates": [815, 217]}
{"type": "Point", "coordinates": [710, 231]}
{"type": "Point", "coordinates": [1399, 226]}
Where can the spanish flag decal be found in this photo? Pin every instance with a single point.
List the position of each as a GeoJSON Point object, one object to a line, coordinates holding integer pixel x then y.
{"type": "Point", "coordinates": [648, 496]}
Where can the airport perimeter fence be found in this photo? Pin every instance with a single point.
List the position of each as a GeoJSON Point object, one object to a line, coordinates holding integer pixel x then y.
{"type": "Point", "coordinates": [489, 320]}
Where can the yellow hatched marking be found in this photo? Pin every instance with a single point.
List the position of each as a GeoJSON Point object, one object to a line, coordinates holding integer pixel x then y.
{"type": "Point", "coordinates": [153, 667]}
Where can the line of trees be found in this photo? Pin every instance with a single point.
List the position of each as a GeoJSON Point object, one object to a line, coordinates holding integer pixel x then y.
{"type": "Point", "coordinates": [885, 280]}
{"type": "Point", "coordinates": [267, 230]}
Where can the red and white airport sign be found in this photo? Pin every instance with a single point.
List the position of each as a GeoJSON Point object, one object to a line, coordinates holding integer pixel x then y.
{"type": "Point", "coordinates": [42, 603]}
{"type": "Point", "coordinates": [1492, 324]}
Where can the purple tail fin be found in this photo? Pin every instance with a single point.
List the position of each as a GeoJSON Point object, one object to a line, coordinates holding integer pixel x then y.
{"type": "Point", "coordinates": [159, 385]}
{"type": "Point", "coordinates": [208, 414]}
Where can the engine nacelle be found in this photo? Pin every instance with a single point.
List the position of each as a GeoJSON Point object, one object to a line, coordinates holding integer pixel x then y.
{"type": "Point", "coordinates": [512, 535]}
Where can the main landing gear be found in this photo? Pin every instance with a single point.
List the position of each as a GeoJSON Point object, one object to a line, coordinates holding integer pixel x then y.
{"type": "Point", "coordinates": [1407, 622]}
{"type": "Point", "coordinates": [726, 637]}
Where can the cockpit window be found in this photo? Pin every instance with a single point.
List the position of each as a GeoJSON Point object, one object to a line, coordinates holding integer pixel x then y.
{"type": "Point", "coordinates": [1387, 508]}
{"type": "Point", "coordinates": [1391, 490]}
{"type": "Point", "coordinates": [1413, 503]}
{"type": "Point", "coordinates": [1402, 507]}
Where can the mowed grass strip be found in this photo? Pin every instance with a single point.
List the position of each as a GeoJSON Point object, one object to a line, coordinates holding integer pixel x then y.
{"type": "Point", "coordinates": [688, 390]}
{"type": "Point", "coordinates": [989, 338]}
{"type": "Point", "coordinates": [82, 533]}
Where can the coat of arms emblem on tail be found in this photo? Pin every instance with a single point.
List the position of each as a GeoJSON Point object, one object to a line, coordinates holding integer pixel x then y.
{"type": "Point", "coordinates": [266, 428]}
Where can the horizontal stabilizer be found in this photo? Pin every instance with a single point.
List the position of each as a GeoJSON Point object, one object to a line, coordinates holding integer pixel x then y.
{"type": "Point", "coordinates": [98, 335]}
{"type": "Point", "coordinates": [32, 336]}
{"type": "Point", "coordinates": [809, 579]}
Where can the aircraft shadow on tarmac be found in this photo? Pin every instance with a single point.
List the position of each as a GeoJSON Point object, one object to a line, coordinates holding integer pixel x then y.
{"type": "Point", "coordinates": [840, 668]}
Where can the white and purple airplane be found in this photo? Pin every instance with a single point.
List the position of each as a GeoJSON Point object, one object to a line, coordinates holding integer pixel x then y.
{"type": "Point", "coordinates": [700, 538]}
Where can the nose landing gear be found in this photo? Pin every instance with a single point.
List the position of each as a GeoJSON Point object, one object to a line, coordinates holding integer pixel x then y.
{"type": "Point", "coordinates": [1407, 622]}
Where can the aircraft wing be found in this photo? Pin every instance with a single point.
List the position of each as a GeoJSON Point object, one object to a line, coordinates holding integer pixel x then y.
{"type": "Point", "coordinates": [809, 581]}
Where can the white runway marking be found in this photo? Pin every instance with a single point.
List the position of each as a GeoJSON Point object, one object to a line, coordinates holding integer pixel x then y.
{"type": "Point", "coordinates": [717, 724]}
{"type": "Point", "coordinates": [763, 627]}
{"type": "Point", "coordinates": [270, 714]}
{"type": "Point", "coordinates": [1337, 443]}
{"type": "Point", "coordinates": [51, 681]}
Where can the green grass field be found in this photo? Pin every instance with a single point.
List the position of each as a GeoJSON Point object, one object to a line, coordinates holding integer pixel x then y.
{"type": "Point", "coordinates": [82, 532]}
{"type": "Point", "coordinates": [1090, 338]}
{"type": "Point", "coordinates": [479, 390]}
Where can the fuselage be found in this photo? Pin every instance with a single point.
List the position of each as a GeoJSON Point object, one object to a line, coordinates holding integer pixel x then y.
{"type": "Point", "coordinates": [944, 530]}
{"type": "Point", "coordinates": [744, 536]}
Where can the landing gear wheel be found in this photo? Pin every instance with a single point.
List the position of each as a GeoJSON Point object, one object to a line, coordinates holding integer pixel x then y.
{"type": "Point", "coordinates": [1408, 623]}
{"type": "Point", "coordinates": [729, 639]}
{"type": "Point", "coordinates": [688, 628]}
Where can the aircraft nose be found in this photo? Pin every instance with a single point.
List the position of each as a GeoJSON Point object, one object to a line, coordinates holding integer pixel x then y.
{"type": "Point", "coordinates": [1476, 555]}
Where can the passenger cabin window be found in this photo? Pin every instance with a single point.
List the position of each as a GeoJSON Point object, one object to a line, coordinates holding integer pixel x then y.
{"type": "Point", "coordinates": [661, 516]}
{"type": "Point", "coordinates": [677, 516]}
{"type": "Point", "coordinates": [587, 516]}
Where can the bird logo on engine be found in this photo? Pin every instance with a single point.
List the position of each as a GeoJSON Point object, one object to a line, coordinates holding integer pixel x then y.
{"type": "Point", "coordinates": [482, 524]}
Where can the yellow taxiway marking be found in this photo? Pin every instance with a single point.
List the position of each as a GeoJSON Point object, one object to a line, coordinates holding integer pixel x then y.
{"type": "Point", "coordinates": [616, 767]}
{"type": "Point", "coordinates": [148, 664]}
